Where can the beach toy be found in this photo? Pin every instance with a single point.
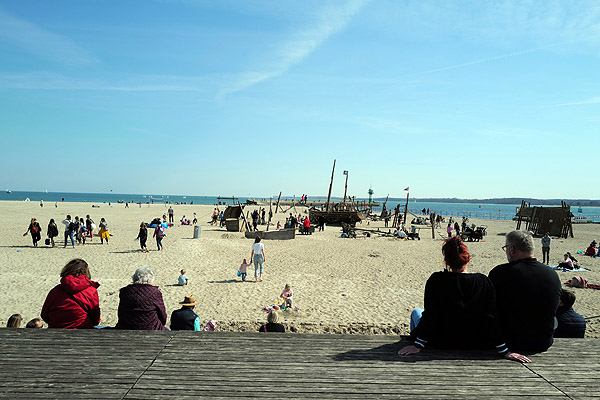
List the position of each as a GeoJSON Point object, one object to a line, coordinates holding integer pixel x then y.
{"type": "Point", "coordinates": [19, 251]}
{"type": "Point", "coordinates": [239, 273]}
{"type": "Point", "coordinates": [438, 262]}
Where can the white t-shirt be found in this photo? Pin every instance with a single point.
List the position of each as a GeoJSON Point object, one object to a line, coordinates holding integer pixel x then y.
{"type": "Point", "coordinates": [258, 248]}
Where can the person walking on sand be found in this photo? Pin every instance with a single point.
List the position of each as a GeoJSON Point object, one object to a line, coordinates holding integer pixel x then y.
{"type": "Point", "coordinates": [52, 231]}
{"type": "Point", "coordinates": [171, 215]}
{"type": "Point", "coordinates": [69, 230]}
{"type": "Point", "coordinates": [142, 237]}
{"type": "Point", "coordinates": [89, 224]}
{"type": "Point", "coordinates": [36, 231]}
{"type": "Point", "coordinates": [546, 240]}
{"type": "Point", "coordinates": [103, 232]}
{"type": "Point", "coordinates": [258, 256]}
{"type": "Point", "coordinates": [159, 234]}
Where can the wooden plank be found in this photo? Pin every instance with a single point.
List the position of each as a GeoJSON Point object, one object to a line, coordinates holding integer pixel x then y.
{"type": "Point", "coordinates": [109, 364]}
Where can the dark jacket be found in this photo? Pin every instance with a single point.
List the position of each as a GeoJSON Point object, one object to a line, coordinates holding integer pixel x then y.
{"type": "Point", "coordinates": [270, 327]}
{"type": "Point", "coordinates": [570, 323]}
{"type": "Point", "coordinates": [527, 296]}
{"type": "Point", "coordinates": [52, 230]}
{"type": "Point", "coordinates": [141, 307]}
{"type": "Point", "coordinates": [183, 319]}
{"type": "Point", "coordinates": [72, 304]}
{"type": "Point", "coordinates": [460, 312]}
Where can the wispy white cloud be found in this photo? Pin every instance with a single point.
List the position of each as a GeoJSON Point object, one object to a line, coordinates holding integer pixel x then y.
{"type": "Point", "coordinates": [484, 60]}
{"type": "Point", "coordinates": [330, 20]}
{"type": "Point", "coordinates": [497, 23]}
{"type": "Point", "coordinates": [592, 100]}
{"type": "Point", "coordinates": [144, 83]}
{"type": "Point", "coordinates": [42, 43]}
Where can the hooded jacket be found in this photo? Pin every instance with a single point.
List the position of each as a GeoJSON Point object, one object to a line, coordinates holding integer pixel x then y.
{"type": "Point", "coordinates": [141, 307]}
{"type": "Point", "coordinates": [73, 304]}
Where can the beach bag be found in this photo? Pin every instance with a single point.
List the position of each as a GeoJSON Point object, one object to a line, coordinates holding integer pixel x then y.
{"type": "Point", "coordinates": [210, 326]}
{"type": "Point", "coordinates": [72, 226]}
{"type": "Point", "coordinates": [239, 273]}
{"type": "Point", "coordinates": [47, 241]}
{"type": "Point", "coordinates": [161, 231]}
{"type": "Point", "coordinates": [93, 226]}
{"type": "Point", "coordinates": [579, 282]}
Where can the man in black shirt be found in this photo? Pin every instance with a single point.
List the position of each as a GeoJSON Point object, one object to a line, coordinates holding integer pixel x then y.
{"type": "Point", "coordinates": [185, 319]}
{"type": "Point", "coordinates": [527, 295]}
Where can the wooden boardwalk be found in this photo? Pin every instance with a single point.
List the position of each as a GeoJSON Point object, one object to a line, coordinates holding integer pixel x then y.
{"type": "Point", "coordinates": [110, 364]}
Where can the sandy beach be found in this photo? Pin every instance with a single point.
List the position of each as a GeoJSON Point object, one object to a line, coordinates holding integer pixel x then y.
{"type": "Point", "coordinates": [363, 285]}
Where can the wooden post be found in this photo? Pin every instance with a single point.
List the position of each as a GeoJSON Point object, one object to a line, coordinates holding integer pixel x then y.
{"type": "Point", "coordinates": [245, 220]}
{"type": "Point", "coordinates": [406, 208]}
{"type": "Point", "coordinates": [270, 211]}
{"type": "Point", "coordinates": [279, 198]}
{"type": "Point", "coordinates": [346, 185]}
{"type": "Point", "coordinates": [330, 186]}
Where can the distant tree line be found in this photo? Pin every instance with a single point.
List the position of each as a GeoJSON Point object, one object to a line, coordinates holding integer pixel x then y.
{"type": "Point", "coordinates": [504, 200]}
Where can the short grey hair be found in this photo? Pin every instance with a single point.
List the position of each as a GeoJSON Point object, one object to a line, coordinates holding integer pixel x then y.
{"type": "Point", "coordinates": [143, 275]}
{"type": "Point", "coordinates": [521, 240]}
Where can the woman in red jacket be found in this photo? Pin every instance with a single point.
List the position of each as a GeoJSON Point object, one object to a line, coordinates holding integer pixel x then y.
{"type": "Point", "coordinates": [74, 303]}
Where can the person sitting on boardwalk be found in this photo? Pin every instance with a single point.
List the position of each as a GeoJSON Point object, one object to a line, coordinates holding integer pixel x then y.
{"type": "Point", "coordinates": [459, 308]}
{"type": "Point", "coordinates": [527, 295]}
{"type": "Point", "coordinates": [272, 324]}
{"type": "Point", "coordinates": [14, 321]}
{"type": "Point", "coordinates": [141, 304]}
{"type": "Point", "coordinates": [35, 323]}
{"type": "Point", "coordinates": [570, 323]}
{"type": "Point", "coordinates": [185, 319]}
{"type": "Point", "coordinates": [74, 303]}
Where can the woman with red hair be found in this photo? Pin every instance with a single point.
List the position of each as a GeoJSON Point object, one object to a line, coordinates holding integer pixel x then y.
{"type": "Point", "coordinates": [460, 308]}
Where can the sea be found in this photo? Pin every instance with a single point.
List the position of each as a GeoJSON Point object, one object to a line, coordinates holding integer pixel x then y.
{"type": "Point", "coordinates": [470, 210]}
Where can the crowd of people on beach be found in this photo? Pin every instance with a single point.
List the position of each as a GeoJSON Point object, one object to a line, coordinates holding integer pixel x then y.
{"type": "Point", "coordinates": [520, 306]}
{"type": "Point", "coordinates": [75, 230]}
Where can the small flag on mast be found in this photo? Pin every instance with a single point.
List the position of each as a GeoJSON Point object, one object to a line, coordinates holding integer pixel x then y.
{"type": "Point", "coordinates": [406, 188]}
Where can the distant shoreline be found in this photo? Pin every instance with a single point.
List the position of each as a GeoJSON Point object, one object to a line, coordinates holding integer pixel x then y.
{"type": "Point", "coordinates": [179, 197]}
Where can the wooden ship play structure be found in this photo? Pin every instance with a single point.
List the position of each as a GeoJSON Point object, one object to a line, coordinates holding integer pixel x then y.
{"type": "Point", "coordinates": [338, 212]}
{"type": "Point", "coordinates": [539, 220]}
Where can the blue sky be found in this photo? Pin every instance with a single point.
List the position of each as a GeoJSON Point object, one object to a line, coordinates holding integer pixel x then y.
{"type": "Point", "coordinates": [452, 98]}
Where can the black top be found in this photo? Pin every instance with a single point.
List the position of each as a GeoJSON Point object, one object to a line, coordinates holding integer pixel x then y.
{"type": "Point", "coordinates": [570, 323]}
{"type": "Point", "coordinates": [459, 313]}
{"type": "Point", "coordinates": [143, 234]}
{"type": "Point", "coordinates": [527, 295]}
{"type": "Point", "coordinates": [270, 327]}
{"type": "Point", "coordinates": [183, 319]}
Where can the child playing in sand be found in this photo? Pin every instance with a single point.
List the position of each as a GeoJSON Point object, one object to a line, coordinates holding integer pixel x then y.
{"type": "Point", "coordinates": [183, 280]}
{"type": "Point", "coordinates": [286, 295]}
{"type": "Point", "coordinates": [243, 269]}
